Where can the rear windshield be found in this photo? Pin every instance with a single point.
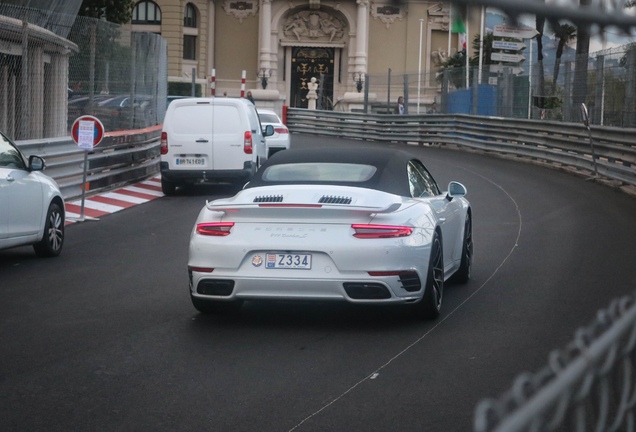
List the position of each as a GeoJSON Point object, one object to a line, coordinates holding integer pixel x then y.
{"type": "Point", "coordinates": [319, 172]}
{"type": "Point", "coordinates": [268, 118]}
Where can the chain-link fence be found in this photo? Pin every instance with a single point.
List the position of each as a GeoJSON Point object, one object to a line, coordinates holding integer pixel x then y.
{"type": "Point", "coordinates": [550, 90]}
{"type": "Point", "coordinates": [53, 71]}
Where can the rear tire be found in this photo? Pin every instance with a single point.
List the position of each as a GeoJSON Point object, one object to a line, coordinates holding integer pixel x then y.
{"type": "Point", "coordinates": [167, 187]}
{"type": "Point", "coordinates": [431, 304]}
{"type": "Point", "coordinates": [53, 237]}
{"type": "Point", "coordinates": [463, 273]}
{"type": "Point", "coordinates": [216, 307]}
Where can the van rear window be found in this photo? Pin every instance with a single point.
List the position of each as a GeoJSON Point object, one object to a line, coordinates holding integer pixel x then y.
{"type": "Point", "coordinates": [200, 119]}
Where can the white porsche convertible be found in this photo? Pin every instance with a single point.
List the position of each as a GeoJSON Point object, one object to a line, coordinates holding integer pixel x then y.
{"type": "Point", "coordinates": [358, 225]}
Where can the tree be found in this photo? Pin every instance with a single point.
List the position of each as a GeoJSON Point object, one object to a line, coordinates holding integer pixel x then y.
{"type": "Point", "coordinates": [115, 11]}
{"type": "Point", "coordinates": [488, 40]}
{"type": "Point", "coordinates": [565, 34]}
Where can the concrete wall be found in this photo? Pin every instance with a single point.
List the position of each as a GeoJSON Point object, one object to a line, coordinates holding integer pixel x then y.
{"type": "Point", "coordinates": [387, 48]}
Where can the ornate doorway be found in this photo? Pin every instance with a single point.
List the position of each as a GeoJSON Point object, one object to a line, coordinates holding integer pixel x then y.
{"type": "Point", "coordinates": [308, 62]}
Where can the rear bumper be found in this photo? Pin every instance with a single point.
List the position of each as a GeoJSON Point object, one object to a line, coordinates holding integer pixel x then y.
{"type": "Point", "coordinates": [211, 176]}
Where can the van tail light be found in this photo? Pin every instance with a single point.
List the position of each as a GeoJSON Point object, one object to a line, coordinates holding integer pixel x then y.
{"type": "Point", "coordinates": [247, 145]}
{"type": "Point", "coordinates": [219, 229]}
{"type": "Point", "coordinates": [281, 130]}
{"type": "Point", "coordinates": [164, 143]}
{"type": "Point", "coordinates": [380, 231]}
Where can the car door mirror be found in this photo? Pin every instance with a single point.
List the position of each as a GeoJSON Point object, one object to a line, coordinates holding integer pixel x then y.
{"type": "Point", "coordinates": [268, 131]}
{"type": "Point", "coordinates": [36, 163]}
{"type": "Point", "coordinates": [455, 190]}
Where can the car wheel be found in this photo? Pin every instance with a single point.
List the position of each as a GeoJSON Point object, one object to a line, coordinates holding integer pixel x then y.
{"type": "Point", "coordinates": [53, 238]}
{"type": "Point", "coordinates": [431, 303]}
{"type": "Point", "coordinates": [167, 187]}
{"type": "Point", "coordinates": [219, 307]}
{"type": "Point", "coordinates": [463, 273]}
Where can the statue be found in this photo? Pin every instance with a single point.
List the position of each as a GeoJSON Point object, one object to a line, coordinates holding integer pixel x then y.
{"type": "Point", "coordinates": [314, 25]}
{"type": "Point", "coordinates": [439, 57]}
{"type": "Point", "coordinates": [311, 94]}
{"type": "Point", "coordinates": [297, 26]}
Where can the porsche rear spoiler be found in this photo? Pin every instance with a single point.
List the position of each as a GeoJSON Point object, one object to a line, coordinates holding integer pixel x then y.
{"type": "Point", "coordinates": [350, 208]}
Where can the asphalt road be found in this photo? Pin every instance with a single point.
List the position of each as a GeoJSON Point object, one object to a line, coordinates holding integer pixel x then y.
{"type": "Point", "coordinates": [104, 338]}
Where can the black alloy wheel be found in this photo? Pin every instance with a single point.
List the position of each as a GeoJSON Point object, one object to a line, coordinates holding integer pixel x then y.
{"type": "Point", "coordinates": [53, 238]}
{"type": "Point", "coordinates": [463, 273]}
{"type": "Point", "coordinates": [431, 303]}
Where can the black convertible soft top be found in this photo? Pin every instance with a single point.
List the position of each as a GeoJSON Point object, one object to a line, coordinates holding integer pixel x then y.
{"type": "Point", "coordinates": [391, 175]}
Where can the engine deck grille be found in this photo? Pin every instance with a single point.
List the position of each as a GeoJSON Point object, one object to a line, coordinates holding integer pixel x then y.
{"type": "Point", "coordinates": [268, 199]}
{"type": "Point", "coordinates": [329, 199]}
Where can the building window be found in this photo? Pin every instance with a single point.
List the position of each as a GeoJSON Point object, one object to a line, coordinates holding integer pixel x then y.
{"type": "Point", "coordinates": [146, 12]}
{"type": "Point", "coordinates": [190, 16]}
{"type": "Point", "coordinates": [189, 47]}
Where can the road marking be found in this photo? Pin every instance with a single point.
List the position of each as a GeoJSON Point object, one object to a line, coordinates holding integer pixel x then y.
{"type": "Point", "coordinates": [114, 202]}
{"type": "Point", "coordinates": [377, 371]}
{"type": "Point", "coordinates": [107, 208]}
{"type": "Point", "coordinates": [149, 187]}
{"type": "Point", "coordinates": [120, 196]}
{"type": "Point", "coordinates": [142, 190]}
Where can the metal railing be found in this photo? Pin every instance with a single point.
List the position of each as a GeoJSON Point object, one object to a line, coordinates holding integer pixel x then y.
{"type": "Point", "coordinates": [563, 143]}
{"type": "Point", "coordinates": [121, 157]}
{"type": "Point", "coordinates": [588, 386]}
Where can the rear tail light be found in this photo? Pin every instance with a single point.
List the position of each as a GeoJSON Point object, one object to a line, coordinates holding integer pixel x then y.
{"type": "Point", "coordinates": [219, 229]}
{"type": "Point", "coordinates": [164, 143]}
{"type": "Point", "coordinates": [381, 231]}
{"type": "Point", "coordinates": [247, 145]}
{"type": "Point", "coordinates": [281, 130]}
{"type": "Point", "coordinates": [200, 269]}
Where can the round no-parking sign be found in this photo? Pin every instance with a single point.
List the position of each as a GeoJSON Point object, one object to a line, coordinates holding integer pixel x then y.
{"type": "Point", "coordinates": [87, 132]}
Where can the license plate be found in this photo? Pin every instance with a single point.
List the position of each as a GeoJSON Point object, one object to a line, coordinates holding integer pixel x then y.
{"type": "Point", "coordinates": [191, 161]}
{"type": "Point", "coordinates": [289, 261]}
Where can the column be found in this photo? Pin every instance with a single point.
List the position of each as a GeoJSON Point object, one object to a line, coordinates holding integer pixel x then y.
{"type": "Point", "coordinates": [361, 35]}
{"type": "Point", "coordinates": [36, 87]}
{"type": "Point", "coordinates": [56, 102]}
{"type": "Point", "coordinates": [266, 34]}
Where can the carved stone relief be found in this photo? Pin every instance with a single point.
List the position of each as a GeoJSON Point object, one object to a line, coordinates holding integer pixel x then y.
{"type": "Point", "coordinates": [439, 16]}
{"type": "Point", "coordinates": [388, 13]}
{"type": "Point", "coordinates": [241, 9]}
{"type": "Point", "coordinates": [313, 25]}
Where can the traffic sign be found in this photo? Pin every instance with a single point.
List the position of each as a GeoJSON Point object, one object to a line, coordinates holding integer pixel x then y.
{"type": "Point", "coordinates": [514, 58]}
{"type": "Point", "coordinates": [500, 68]}
{"type": "Point", "coordinates": [492, 81]}
{"type": "Point", "coordinates": [514, 46]}
{"type": "Point", "coordinates": [515, 32]}
{"type": "Point", "coordinates": [87, 132]}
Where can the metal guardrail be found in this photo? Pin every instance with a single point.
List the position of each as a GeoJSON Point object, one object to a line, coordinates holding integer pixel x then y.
{"type": "Point", "coordinates": [588, 386]}
{"type": "Point", "coordinates": [563, 143]}
{"type": "Point", "coordinates": [121, 157]}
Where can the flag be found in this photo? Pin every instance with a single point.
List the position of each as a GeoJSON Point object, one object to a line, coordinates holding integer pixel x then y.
{"type": "Point", "coordinates": [458, 25]}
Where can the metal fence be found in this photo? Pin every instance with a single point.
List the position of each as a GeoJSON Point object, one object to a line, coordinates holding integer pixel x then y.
{"type": "Point", "coordinates": [50, 74]}
{"type": "Point", "coordinates": [537, 90]}
{"type": "Point", "coordinates": [587, 386]}
{"type": "Point", "coordinates": [554, 142]}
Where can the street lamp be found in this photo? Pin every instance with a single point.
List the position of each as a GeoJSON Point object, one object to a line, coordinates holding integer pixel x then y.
{"type": "Point", "coordinates": [264, 76]}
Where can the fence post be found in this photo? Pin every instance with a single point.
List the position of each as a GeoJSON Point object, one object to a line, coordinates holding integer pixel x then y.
{"type": "Point", "coordinates": [320, 90]}
{"type": "Point", "coordinates": [133, 76]}
{"type": "Point", "coordinates": [628, 109]}
{"type": "Point", "coordinates": [475, 108]}
{"type": "Point", "coordinates": [194, 78]}
{"type": "Point", "coordinates": [91, 66]}
{"type": "Point", "coordinates": [366, 93]}
{"type": "Point", "coordinates": [406, 94]}
{"type": "Point", "coordinates": [600, 79]}
{"type": "Point", "coordinates": [444, 95]}
{"type": "Point", "coordinates": [23, 95]}
{"type": "Point", "coordinates": [507, 93]}
{"type": "Point", "coordinates": [567, 93]}
{"type": "Point", "coordinates": [388, 94]}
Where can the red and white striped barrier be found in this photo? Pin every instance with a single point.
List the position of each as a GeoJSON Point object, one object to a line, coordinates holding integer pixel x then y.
{"type": "Point", "coordinates": [116, 200]}
{"type": "Point", "coordinates": [243, 84]}
{"type": "Point", "coordinates": [213, 83]}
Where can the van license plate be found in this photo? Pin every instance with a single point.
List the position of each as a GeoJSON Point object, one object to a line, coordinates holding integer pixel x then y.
{"type": "Point", "coordinates": [191, 161]}
{"type": "Point", "coordinates": [289, 261]}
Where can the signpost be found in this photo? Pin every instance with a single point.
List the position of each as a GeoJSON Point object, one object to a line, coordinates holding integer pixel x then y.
{"type": "Point", "coordinates": [513, 58]}
{"type": "Point", "coordinates": [87, 132]}
{"type": "Point", "coordinates": [514, 32]}
{"type": "Point", "coordinates": [505, 45]}
{"type": "Point", "coordinates": [500, 68]}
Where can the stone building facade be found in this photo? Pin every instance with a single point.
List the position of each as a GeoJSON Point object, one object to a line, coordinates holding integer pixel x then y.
{"type": "Point", "coordinates": [291, 41]}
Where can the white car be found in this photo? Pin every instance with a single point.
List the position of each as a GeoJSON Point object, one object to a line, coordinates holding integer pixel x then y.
{"type": "Point", "coordinates": [211, 140]}
{"type": "Point", "coordinates": [31, 204]}
{"type": "Point", "coordinates": [357, 225]}
{"type": "Point", "coordinates": [280, 140]}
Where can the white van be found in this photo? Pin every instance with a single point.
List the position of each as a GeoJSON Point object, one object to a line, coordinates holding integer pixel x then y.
{"type": "Point", "coordinates": [211, 140]}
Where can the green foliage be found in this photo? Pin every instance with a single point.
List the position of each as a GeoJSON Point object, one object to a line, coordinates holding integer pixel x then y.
{"type": "Point", "coordinates": [176, 88]}
{"type": "Point", "coordinates": [115, 11]}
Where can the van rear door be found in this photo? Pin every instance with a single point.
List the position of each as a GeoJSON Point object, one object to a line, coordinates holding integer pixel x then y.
{"type": "Point", "coordinates": [190, 137]}
{"type": "Point", "coordinates": [229, 136]}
